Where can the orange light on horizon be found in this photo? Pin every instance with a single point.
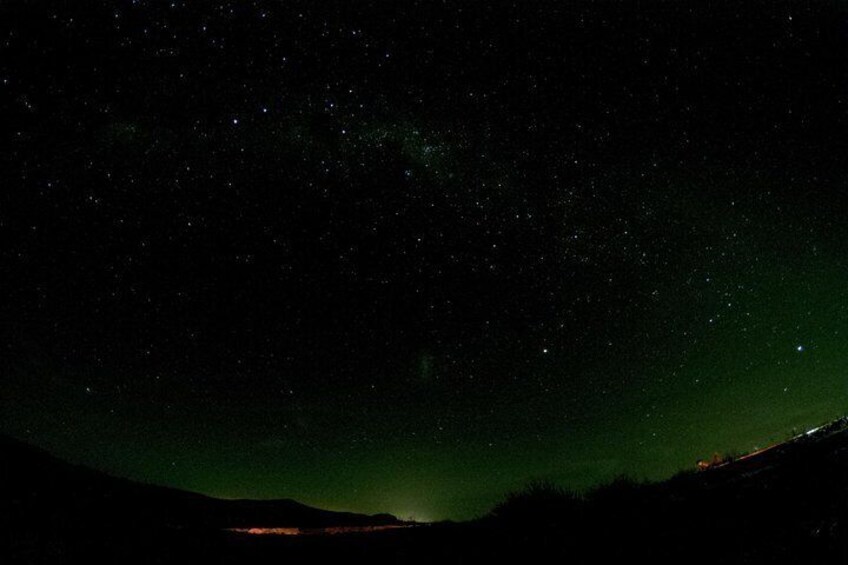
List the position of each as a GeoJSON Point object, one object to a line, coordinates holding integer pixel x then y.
{"type": "Point", "coordinates": [333, 530]}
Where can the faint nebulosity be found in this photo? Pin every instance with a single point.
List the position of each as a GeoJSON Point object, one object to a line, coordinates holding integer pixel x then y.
{"type": "Point", "coordinates": [406, 256]}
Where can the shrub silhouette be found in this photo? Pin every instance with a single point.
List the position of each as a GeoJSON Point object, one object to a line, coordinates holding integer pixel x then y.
{"type": "Point", "coordinates": [539, 502]}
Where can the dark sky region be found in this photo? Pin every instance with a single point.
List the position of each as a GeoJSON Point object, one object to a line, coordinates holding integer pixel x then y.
{"type": "Point", "coordinates": [405, 256]}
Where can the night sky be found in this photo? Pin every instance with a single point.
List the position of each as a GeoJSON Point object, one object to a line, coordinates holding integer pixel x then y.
{"type": "Point", "coordinates": [405, 256]}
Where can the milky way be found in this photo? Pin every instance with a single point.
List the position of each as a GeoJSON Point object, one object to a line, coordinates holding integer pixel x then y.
{"type": "Point", "coordinates": [406, 258]}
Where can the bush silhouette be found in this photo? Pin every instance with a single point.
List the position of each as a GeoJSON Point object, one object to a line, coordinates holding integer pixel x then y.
{"type": "Point", "coordinates": [539, 502]}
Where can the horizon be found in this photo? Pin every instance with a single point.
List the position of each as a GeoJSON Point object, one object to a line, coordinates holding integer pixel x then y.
{"type": "Point", "coordinates": [774, 440]}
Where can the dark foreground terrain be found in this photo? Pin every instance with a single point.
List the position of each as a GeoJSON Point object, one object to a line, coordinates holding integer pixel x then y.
{"type": "Point", "coordinates": [788, 504]}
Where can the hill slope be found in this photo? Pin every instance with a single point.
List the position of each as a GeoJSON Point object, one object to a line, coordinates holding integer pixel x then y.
{"type": "Point", "coordinates": [39, 489]}
{"type": "Point", "coordinates": [786, 504]}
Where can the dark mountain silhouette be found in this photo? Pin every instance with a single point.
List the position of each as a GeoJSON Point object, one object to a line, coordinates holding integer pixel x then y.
{"type": "Point", "coordinates": [52, 507]}
{"type": "Point", "coordinates": [785, 504]}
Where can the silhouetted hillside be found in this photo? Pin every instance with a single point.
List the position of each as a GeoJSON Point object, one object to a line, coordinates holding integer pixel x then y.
{"type": "Point", "coordinates": [786, 504]}
{"type": "Point", "coordinates": [39, 490]}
